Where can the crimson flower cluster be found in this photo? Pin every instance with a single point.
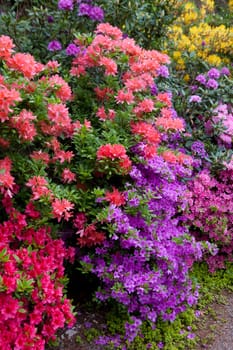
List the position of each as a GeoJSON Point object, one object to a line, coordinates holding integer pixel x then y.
{"type": "Point", "coordinates": [32, 303]}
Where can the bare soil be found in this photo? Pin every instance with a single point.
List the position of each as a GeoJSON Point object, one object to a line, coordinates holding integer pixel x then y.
{"type": "Point", "coordinates": [215, 328]}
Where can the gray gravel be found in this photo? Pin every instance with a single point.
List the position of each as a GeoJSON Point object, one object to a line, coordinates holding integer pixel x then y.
{"type": "Point", "coordinates": [215, 330]}
{"type": "Point", "coordinates": [224, 331]}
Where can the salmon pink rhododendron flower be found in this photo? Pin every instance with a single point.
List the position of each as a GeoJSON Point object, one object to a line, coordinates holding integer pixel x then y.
{"type": "Point", "coordinates": [62, 208]}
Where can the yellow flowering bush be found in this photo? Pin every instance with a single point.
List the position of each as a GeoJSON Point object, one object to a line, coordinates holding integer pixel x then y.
{"type": "Point", "coordinates": [194, 33]}
{"type": "Point", "coordinates": [231, 5]}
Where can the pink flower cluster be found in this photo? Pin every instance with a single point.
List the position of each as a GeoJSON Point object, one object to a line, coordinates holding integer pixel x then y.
{"type": "Point", "coordinates": [224, 115]}
{"type": "Point", "coordinates": [114, 154]}
{"type": "Point", "coordinates": [107, 50]}
{"type": "Point", "coordinates": [210, 214]}
{"type": "Point", "coordinates": [43, 125]}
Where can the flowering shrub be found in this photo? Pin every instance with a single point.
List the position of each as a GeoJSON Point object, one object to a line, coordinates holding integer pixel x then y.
{"type": "Point", "coordinates": [145, 264]}
{"type": "Point", "coordinates": [210, 214]}
{"type": "Point", "coordinates": [120, 122]}
{"type": "Point", "coordinates": [105, 160]}
{"type": "Point", "coordinates": [206, 104]}
{"type": "Point", "coordinates": [129, 154]}
{"type": "Point", "coordinates": [31, 261]}
{"type": "Point", "coordinates": [31, 282]}
{"type": "Point", "coordinates": [196, 37]}
{"type": "Point", "coordinates": [207, 107]}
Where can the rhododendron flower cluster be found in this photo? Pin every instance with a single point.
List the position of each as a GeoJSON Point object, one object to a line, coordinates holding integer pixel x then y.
{"type": "Point", "coordinates": [148, 114]}
{"type": "Point", "coordinates": [85, 8]}
{"type": "Point", "coordinates": [210, 214]}
{"type": "Point", "coordinates": [31, 273]}
{"type": "Point", "coordinates": [95, 13]}
{"type": "Point", "coordinates": [223, 114]}
{"type": "Point", "coordinates": [114, 154]}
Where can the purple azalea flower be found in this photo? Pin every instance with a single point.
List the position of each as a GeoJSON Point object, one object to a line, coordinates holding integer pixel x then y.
{"type": "Point", "coordinates": [50, 19]}
{"type": "Point", "coordinates": [163, 71]}
{"type": "Point", "coordinates": [65, 5]}
{"type": "Point", "coordinates": [201, 79]}
{"type": "Point", "coordinates": [191, 336]}
{"type": "Point", "coordinates": [93, 12]}
{"type": "Point", "coordinates": [72, 50]}
{"type": "Point", "coordinates": [211, 84]}
{"type": "Point", "coordinates": [195, 98]}
{"type": "Point", "coordinates": [193, 88]}
{"type": "Point", "coordinates": [213, 73]}
{"type": "Point", "coordinates": [54, 45]}
{"type": "Point", "coordinates": [154, 90]}
{"type": "Point", "coordinates": [199, 148]}
{"type": "Point", "coordinates": [225, 71]}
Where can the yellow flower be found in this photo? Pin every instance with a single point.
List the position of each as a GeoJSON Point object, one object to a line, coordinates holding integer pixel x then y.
{"type": "Point", "coordinates": [191, 33]}
{"type": "Point", "coordinates": [189, 14]}
{"type": "Point", "coordinates": [190, 17]}
{"type": "Point", "coordinates": [214, 60]}
{"type": "Point", "coordinates": [176, 55]}
{"type": "Point", "coordinates": [186, 78]}
{"type": "Point", "coordinates": [208, 5]}
{"type": "Point", "coordinates": [202, 13]}
{"type": "Point", "coordinates": [180, 64]}
{"type": "Point", "coordinates": [226, 60]}
{"type": "Point", "coordinates": [231, 5]}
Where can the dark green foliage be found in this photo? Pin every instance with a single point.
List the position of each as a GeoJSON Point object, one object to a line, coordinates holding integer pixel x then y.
{"type": "Point", "coordinates": [33, 24]}
{"type": "Point", "coordinates": [145, 21]}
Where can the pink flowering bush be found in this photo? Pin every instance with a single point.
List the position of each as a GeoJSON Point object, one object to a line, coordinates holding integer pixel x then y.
{"type": "Point", "coordinates": [136, 169]}
{"type": "Point", "coordinates": [33, 305]}
{"type": "Point", "coordinates": [31, 282]}
{"type": "Point", "coordinates": [210, 214]}
{"type": "Point", "coordinates": [223, 116]}
{"type": "Point", "coordinates": [206, 104]}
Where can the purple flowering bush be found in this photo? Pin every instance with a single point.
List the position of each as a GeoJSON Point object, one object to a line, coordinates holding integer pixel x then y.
{"type": "Point", "coordinates": [206, 105]}
{"type": "Point", "coordinates": [145, 263]}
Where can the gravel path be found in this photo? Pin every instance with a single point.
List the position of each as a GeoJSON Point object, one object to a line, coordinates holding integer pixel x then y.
{"type": "Point", "coordinates": [216, 329]}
